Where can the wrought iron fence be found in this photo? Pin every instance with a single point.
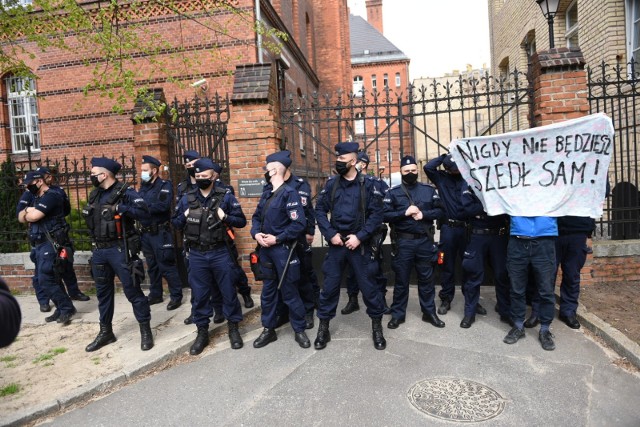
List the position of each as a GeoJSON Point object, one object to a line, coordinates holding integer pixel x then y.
{"type": "Point", "coordinates": [70, 174]}
{"type": "Point", "coordinates": [615, 91]}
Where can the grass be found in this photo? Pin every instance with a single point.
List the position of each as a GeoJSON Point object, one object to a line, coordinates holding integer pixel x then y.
{"type": "Point", "coordinates": [7, 358]}
{"type": "Point", "coordinates": [48, 356]}
{"type": "Point", "coordinates": [10, 389]}
{"type": "Point", "coordinates": [95, 360]}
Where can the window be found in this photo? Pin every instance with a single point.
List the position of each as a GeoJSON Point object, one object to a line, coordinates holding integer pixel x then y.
{"type": "Point", "coordinates": [359, 123]}
{"type": "Point", "coordinates": [398, 82]}
{"type": "Point", "coordinates": [571, 20]}
{"type": "Point", "coordinates": [358, 86]}
{"type": "Point", "coordinates": [386, 80]}
{"type": "Point", "coordinates": [633, 30]}
{"type": "Point", "coordinates": [23, 114]}
{"type": "Point", "coordinates": [374, 81]}
{"type": "Point", "coordinates": [15, 3]}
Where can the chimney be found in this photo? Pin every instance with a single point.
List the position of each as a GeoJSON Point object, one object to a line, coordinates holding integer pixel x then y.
{"type": "Point", "coordinates": [374, 14]}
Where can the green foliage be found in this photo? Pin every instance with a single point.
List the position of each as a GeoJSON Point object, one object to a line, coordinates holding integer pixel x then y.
{"type": "Point", "coordinates": [48, 356]}
{"type": "Point", "coordinates": [9, 389]}
{"type": "Point", "coordinates": [12, 233]}
{"type": "Point", "coordinates": [7, 358]}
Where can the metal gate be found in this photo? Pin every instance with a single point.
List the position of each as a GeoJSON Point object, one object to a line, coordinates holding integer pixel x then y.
{"type": "Point", "coordinates": [201, 125]}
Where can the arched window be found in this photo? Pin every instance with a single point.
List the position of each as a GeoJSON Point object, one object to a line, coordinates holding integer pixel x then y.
{"type": "Point", "coordinates": [358, 86]}
{"type": "Point", "coordinates": [23, 114]}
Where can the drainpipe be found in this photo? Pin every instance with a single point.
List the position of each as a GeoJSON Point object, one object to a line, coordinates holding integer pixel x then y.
{"type": "Point", "coordinates": [259, 20]}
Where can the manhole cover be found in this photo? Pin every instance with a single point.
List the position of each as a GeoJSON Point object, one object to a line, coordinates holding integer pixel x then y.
{"type": "Point", "coordinates": [454, 399]}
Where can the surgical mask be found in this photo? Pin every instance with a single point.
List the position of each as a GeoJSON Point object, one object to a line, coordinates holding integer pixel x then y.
{"type": "Point", "coordinates": [410, 178]}
{"type": "Point", "coordinates": [267, 176]}
{"type": "Point", "coordinates": [33, 189]}
{"type": "Point", "coordinates": [145, 176]}
{"type": "Point", "coordinates": [95, 181]}
{"type": "Point", "coordinates": [203, 183]}
{"type": "Point", "coordinates": [191, 172]}
{"type": "Point", "coordinates": [342, 167]}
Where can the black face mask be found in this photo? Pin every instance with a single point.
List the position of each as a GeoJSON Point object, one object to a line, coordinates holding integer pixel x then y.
{"type": "Point", "coordinates": [95, 181]}
{"type": "Point", "coordinates": [342, 168]}
{"type": "Point", "coordinates": [204, 183]}
{"type": "Point", "coordinates": [267, 177]}
{"type": "Point", "coordinates": [191, 172]}
{"type": "Point", "coordinates": [33, 189]}
{"type": "Point", "coordinates": [410, 178]}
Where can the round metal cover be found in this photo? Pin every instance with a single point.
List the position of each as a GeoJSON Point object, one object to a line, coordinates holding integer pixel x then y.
{"type": "Point", "coordinates": [454, 399]}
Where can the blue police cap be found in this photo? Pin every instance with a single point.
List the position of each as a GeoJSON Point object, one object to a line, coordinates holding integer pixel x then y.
{"type": "Point", "coordinates": [31, 176]}
{"type": "Point", "coordinates": [449, 164]}
{"type": "Point", "coordinates": [151, 160]}
{"type": "Point", "coordinates": [217, 168]}
{"type": "Point", "coordinates": [204, 164]}
{"type": "Point", "coordinates": [280, 157]}
{"type": "Point", "coordinates": [363, 157]}
{"type": "Point", "coordinates": [43, 170]}
{"type": "Point", "coordinates": [408, 160]}
{"type": "Point", "coordinates": [346, 148]}
{"type": "Point", "coordinates": [190, 155]}
{"type": "Point", "coordinates": [109, 164]}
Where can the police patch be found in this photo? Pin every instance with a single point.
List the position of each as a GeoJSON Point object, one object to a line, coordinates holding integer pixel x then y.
{"type": "Point", "coordinates": [303, 200]}
{"type": "Point", "coordinates": [293, 215]}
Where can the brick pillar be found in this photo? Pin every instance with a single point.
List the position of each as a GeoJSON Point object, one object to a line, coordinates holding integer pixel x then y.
{"type": "Point", "coordinates": [559, 85]}
{"type": "Point", "coordinates": [252, 134]}
{"type": "Point", "coordinates": [150, 131]}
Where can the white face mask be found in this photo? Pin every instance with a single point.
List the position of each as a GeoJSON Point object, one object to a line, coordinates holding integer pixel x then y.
{"type": "Point", "coordinates": [145, 176]}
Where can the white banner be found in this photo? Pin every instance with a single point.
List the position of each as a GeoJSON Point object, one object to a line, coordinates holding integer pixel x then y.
{"type": "Point", "coordinates": [555, 170]}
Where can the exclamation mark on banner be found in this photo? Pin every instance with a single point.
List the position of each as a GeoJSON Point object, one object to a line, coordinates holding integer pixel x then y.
{"type": "Point", "coordinates": [593, 181]}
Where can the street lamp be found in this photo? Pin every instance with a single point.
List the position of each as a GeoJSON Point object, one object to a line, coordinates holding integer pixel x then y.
{"type": "Point", "coordinates": [549, 10]}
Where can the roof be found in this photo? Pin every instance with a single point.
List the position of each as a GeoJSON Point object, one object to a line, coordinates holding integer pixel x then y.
{"type": "Point", "coordinates": [364, 37]}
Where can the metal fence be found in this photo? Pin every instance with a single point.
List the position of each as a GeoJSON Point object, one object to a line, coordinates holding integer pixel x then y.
{"type": "Point", "coordinates": [70, 174]}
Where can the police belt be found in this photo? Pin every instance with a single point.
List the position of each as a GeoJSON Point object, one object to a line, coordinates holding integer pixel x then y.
{"type": "Point", "coordinates": [490, 231]}
{"type": "Point", "coordinates": [105, 244]}
{"type": "Point", "coordinates": [205, 248]}
{"type": "Point", "coordinates": [155, 228]}
{"type": "Point", "coordinates": [456, 223]}
{"type": "Point", "coordinates": [411, 236]}
{"type": "Point", "coordinates": [36, 242]}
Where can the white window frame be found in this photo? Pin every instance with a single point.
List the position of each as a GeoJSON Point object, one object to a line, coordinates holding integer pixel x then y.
{"type": "Point", "coordinates": [398, 80]}
{"type": "Point", "coordinates": [358, 123]}
{"type": "Point", "coordinates": [571, 31]}
{"type": "Point", "coordinates": [374, 81]}
{"type": "Point", "coordinates": [23, 98]}
{"type": "Point", "coordinates": [632, 8]}
{"type": "Point", "coordinates": [385, 80]}
{"type": "Point", "coordinates": [358, 85]}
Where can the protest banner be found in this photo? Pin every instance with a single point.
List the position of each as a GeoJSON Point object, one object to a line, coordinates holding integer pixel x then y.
{"type": "Point", "coordinates": [554, 170]}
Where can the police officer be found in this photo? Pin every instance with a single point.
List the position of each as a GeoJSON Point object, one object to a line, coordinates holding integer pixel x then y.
{"type": "Point", "coordinates": [276, 225]}
{"type": "Point", "coordinates": [488, 242]}
{"type": "Point", "coordinates": [48, 235]}
{"type": "Point", "coordinates": [410, 210]}
{"type": "Point", "coordinates": [349, 212]}
{"type": "Point", "coordinates": [110, 213]}
{"type": "Point", "coordinates": [157, 241]}
{"type": "Point", "coordinates": [352, 288]}
{"type": "Point", "coordinates": [453, 230]}
{"type": "Point", "coordinates": [204, 215]}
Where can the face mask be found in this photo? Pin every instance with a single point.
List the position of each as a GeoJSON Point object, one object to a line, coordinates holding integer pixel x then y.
{"type": "Point", "coordinates": [191, 172]}
{"type": "Point", "coordinates": [33, 188]}
{"type": "Point", "coordinates": [410, 178]}
{"type": "Point", "coordinates": [267, 176]}
{"type": "Point", "coordinates": [203, 183]}
{"type": "Point", "coordinates": [145, 176]}
{"type": "Point", "coordinates": [359, 167]}
{"type": "Point", "coordinates": [95, 181]}
{"type": "Point", "coordinates": [342, 167]}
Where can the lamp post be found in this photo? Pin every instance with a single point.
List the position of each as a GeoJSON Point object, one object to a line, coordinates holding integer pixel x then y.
{"type": "Point", "coordinates": [549, 10]}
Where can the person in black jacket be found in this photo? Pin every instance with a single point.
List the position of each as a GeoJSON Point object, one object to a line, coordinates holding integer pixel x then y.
{"type": "Point", "coordinates": [10, 316]}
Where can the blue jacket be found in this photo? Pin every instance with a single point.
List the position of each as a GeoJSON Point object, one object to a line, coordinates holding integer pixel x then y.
{"type": "Point", "coordinates": [283, 216]}
{"type": "Point", "coordinates": [396, 204]}
{"type": "Point", "coordinates": [534, 226]}
{"type": "Point", "coordinates": [158, 196]}
{"type": "Point", "coordinates": [449, 187]}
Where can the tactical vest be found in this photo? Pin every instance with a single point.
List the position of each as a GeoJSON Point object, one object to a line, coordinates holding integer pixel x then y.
{"type": "Point", "coordinates": [101, 219]}
{"type": "Point", "coordinates": [203, 225]}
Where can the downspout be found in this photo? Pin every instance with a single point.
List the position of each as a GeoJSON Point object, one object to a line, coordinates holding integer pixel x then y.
{"type": "Point", "coordinates": [259, 28]}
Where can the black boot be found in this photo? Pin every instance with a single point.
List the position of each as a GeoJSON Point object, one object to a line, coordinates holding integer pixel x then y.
{"type": "Point", "coordinates": [146, 336]}
{"type": "Point", "coordinates": [351, 306]}
{"type": "Point", "coordinates": [248, 301]}
{"type": "Point", "coordinates": [234, 335]}
{"type": "Point", "coordinates": [202, 340]}
{"type": "Point", "coordinates": [324, 336]}
{"type": "Point", "coordinates": [309, 320]}
{"type": "Point", "coordinates": [267, 336]}
{"type": "Point", "coordinates": [105, 336]}
{"type": "Point", "coordinates": [378, 338]}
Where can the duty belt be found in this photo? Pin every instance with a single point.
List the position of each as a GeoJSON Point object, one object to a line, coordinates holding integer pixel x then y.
{"type": "Point", "coordinates": [492, 231]}
{"type": "Point", "coordinates": [154, 228]}
{"type": "Point", "coordinates": [456, 223]}
{"type": "Point", "coordinates": [411, 236]}
{"type": "Point", "coordinates": [106, 244]}
{"type": "Point", "coordinates": [205, 248]}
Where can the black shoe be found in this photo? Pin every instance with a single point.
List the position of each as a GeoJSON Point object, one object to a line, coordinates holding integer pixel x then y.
{"type": "Point", "coordinates": [532, 322]}
{"type": "Point", "coordinates": [202, 340]}
{"type": "Point", "coordinates": [378, 337]}
{"type": "Point", "coordinates": [546, 340]}
{"type": "Point", "coordinates": [248, 301]}
{"type": "Point", "coordinates": [467, 321]}
{"type": "Point", "coordinates": [188, 320]}
{"type": "Point", "coordinates": [282, 320]}
{"type": "Point", "coordinates": [481, 310]}
{"type": "Point", "coordinates": [571, 321]}
{"type": "Point", "coordinates": [104, 337]}
{"type": "Point", "coordinates": [173, 304]}
{"type": "Point", "coordinates": [45, 308]}
{"type": "Point", "coordinates": [308, 320]}
{"type": "Point", "coordinates": [324, 336]}
{"type": "Point", "coordinates": [394, 323]}
{"type": "Point", "coordinates": [154, 300]}
{"type": "Point", "coordinates": [507, 320]}
{"type": "Point", "coordinates": [444, 306]}
{"type": "Point", "coordinates": [302, 339]}
{"type": "Point", "coordinates": [433, 319]}
{"type": "Point", "coordinates": [267, 336]}
{"type": "Point", "coordinates": [351, 306]}
{"type": "Point", "coordinates": [234, 335]}
{"type": "Point", "coordinates": [65, 318]}
{"type": "Point", "coordinates": [146, 336]}
{"type": "Point", "coordinates": [54, 317]}
{"type": "Point", "coordinates": [80, 297]}
{"type": "Point", "coordinates": [513, 336]}
{"type": "Point", "coordinates": [218, 317]}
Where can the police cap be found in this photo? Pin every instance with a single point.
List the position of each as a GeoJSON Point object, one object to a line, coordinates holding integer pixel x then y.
{"type": "Point", "coordinates": [190, 155]}
{"type": "Point", "coordinates": [280, 157]}
{"type": "Point", "coordinates": [408, 160]}
{"type": "Point", "coordinates": [31, 176]}
{"type": "Point", "coordinates": [363, 157]}
{"type": "Point", "coordinates": [151, 160]}
{"type": "Point", "coordinates": [449, 164]}
{"type": "Point", "coordinates": [109, 164]}
{"type": "Point", "coordinates": [346, 148]}
{"type": "Point", "coordinates": [204, 164]}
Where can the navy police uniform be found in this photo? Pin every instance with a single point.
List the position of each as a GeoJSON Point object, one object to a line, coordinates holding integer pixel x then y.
{"type": "Point", "coordinates": [413, 243]}
{"type": "Point", "coordinates": [157, 240]}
